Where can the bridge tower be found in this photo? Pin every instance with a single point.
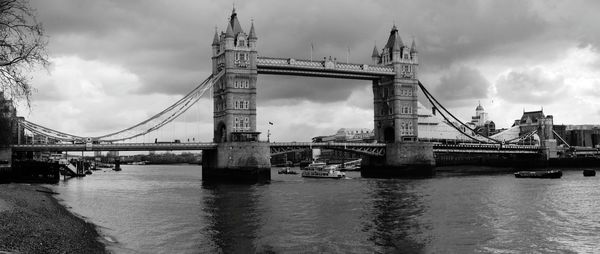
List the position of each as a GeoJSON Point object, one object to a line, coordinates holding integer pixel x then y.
{"type": "Point", "coordinates": [239, 155]}
{"type": "Point", "coordinates": [395, 116]}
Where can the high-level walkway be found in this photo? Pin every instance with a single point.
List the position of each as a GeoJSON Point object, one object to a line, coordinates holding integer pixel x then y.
{"type": "Point", "coordinates": [325, 68]}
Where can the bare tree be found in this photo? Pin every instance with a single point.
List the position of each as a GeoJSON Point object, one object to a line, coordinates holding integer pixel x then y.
{"type": "Point", "coordinates": [22, 48]}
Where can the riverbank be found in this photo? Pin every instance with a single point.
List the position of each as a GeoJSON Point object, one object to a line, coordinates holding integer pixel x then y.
{"type": "Point", "coordinates": [32, 221]}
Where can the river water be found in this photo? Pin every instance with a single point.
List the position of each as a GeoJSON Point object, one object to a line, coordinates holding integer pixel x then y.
{"type": "Point", "coordinates": [167, 209]}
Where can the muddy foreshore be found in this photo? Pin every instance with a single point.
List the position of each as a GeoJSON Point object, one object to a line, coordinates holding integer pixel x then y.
{"type": "Point", "coordinates": [32, 221]}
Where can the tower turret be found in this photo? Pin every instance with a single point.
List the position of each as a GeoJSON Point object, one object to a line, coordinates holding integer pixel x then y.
{"type": "Point", "coordinates": [413, 52]}
{"type": "Point", "coordinates": [375, 55]}
{"type": "Point", "coordinates": [252, 37]}
{"type": "Point", "coordinates": [215, 43]}
{"type": "Point", "coordinates": [229, 37]}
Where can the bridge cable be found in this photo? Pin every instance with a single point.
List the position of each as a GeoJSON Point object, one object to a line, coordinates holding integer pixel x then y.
{"type": "Point", "coordinates": [186, 98]}
{"type": "Point", "coordinates": [430, 98]}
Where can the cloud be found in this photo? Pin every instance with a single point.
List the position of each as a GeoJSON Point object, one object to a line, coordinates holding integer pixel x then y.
{"type": "Point", "coordinates": [276, 89]}
{"type": "Point", "coordinates": [134, 58]}
{"type": "Point", "coordinates": [530, 86]}
{"type": "Point", "coordinates": [460, 84]}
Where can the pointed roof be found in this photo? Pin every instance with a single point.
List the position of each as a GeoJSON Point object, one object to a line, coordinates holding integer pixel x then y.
{"type": "Point", "coordinates": [229, 32]}
{"type": "Point", "coordinates": [375, 52]}
{"type": "Point", "coordinates": [252, 34]}
{"type": "Point", "coordinates": [413, 47]}
{"type": "Point", "coordinates": [235, 23]}
{"type": "Point", "coordinates": [215, 39]}
{"type": "Point", "coordinates": [394, 41]}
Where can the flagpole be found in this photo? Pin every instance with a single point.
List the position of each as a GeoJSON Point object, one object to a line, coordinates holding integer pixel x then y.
{"type": "Point", "coordinates": [348, 54]}
{"type": "Point", "coordinates": [311, 51]}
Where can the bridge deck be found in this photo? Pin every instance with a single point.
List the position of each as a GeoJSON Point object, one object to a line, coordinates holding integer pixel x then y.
{"type": "Point", "coordinates": [326, 69]}
{"type": "Point", "coordinates": [373, 149]}
{"type": "Point", "coordinates": [116, 147]}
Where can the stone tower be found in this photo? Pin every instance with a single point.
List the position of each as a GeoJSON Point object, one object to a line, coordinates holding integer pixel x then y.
{"type": "Point", "coordinates": [395, 116]}
{"type": "Point", "coordinates": [234, 94]}
{"type": "Point", "coordinates": [239, 156]}
{"type": "Point", "coordinates": [396, 98]}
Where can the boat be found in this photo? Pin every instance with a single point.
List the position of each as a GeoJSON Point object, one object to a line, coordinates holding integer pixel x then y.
{"type": "Point", "coordinates": [589, 172]}
{"type": "Point", "coordinates": [539, 174]}
{"type": "Point", "coordinates": [287, 171]}
{"type": "Point", "coordinates": [321, 170]}
{"type": "Point", "coordinates": [104, 165]}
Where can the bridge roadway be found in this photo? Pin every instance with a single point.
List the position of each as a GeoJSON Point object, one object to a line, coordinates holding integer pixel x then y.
{"type": "Point", "coordinates": [325, 69]}
{"type": "Point", "coordinates": [372, 149]}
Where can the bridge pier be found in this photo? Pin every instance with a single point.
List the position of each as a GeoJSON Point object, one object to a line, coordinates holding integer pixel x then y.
{"type": "Point", "coordinates": [402, 159]}
{"type": "Point", "coordinates": [244, 162]}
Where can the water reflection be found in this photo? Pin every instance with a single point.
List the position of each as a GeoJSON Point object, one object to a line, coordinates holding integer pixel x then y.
{"type": "Point", "coordinates": [232, 216]}
{"type": "Point", "coordinates": [393, 224]}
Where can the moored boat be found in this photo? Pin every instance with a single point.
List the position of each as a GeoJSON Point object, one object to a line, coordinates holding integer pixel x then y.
{"type": "Point", "coordinates": [287, 171]}
{"type": "Point", "coordinates": [539, 174]}
{"type": "Point", "coordinates": [589, 172]}
{"type": "Point", "coordinates": [321, 170]}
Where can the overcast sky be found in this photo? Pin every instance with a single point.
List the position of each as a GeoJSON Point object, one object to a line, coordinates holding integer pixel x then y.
{"type": "Point", "coordinates": [115, 63]}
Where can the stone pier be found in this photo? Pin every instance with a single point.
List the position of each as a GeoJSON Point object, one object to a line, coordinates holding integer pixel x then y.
{"type": "Point", "coordinates": [403, 159]}
{"type": "Point", "coordinates": [245, 162]}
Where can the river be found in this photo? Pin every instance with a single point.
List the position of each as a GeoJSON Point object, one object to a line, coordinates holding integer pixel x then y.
{"type": "Point", "coordinates": [167, 209]}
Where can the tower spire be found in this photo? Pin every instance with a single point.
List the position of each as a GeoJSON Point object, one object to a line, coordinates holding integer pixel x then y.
{"type": "Point", "coordinates": [375, 51]}
{"type": "Point", "coordinates": [229, 32]}
{"type": "Point", "coordinates": [215, 38]}
{"type": "Point", "coordinates": [252, 34]}
{"type": "Point", "coordinates": [413, 47]}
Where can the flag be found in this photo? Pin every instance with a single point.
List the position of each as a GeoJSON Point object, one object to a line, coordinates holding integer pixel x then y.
{"type": "Point", "coordinates": [271, 123]}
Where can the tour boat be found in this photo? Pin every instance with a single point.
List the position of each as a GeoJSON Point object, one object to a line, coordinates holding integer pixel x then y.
{"type": "Point", "coordinates": [539, 174]}
{"type": "Point", "coordinates": [589, 172]}
{"type": "Point", "coordinates": [287, 171]}
{"type": "Point", "coordinates": [321, 170]}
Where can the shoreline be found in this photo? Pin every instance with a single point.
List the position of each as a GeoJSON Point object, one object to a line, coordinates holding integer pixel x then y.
{"type": "Point", "coordinates": [33, 221]}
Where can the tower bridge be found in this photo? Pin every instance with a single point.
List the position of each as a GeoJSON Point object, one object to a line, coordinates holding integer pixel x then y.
{"type": "Point", "coordinates": [236, 152]}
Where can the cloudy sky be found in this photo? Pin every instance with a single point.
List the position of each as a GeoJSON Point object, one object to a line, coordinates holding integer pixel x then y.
{"type": "Point", "coordinates": [115, 63]}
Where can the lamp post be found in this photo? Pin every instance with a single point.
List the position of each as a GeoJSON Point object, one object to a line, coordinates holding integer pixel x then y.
{"type": "Point", "coordinates": [269, 133]}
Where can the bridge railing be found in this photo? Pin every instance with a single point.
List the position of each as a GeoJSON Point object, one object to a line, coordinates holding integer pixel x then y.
{"type": "Point", "coordinates": [325, 65]}
{"type": "Point", "coordinates": [115, 147]}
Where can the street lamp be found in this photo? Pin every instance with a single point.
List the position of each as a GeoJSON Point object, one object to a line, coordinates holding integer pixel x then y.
{"type": "Point", "coordinates": [269, 133]}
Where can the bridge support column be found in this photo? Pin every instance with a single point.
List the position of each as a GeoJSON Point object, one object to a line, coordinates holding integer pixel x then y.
{"type": "Point", "coordinates": [403, 159]}
{"type": "Point", "coordinates": [5, 164]}
{"type": "Point", "coordinates": [246, 162]}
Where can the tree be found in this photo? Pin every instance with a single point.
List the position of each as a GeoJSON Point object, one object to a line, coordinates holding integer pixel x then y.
{"type": "Point", "coordinates": [22, 47]}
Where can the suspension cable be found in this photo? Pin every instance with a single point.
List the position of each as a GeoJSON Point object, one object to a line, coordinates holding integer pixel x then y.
{"type": "Point", "coordinates": [428, 95]}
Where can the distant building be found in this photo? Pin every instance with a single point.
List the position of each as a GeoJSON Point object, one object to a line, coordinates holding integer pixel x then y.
{"type": "Point", "coordinates": [349, 135]}
{"type": "Point", "coordinates": [583, 135]}
{"type": "Point", "coordinates": [536, 121]}
{"type": "Point", "coordinates": [481, 124]}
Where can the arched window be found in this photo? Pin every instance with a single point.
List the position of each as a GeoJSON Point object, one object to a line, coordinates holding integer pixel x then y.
{"type": "Point", "coordinates": [237, 123]}
{"type": "Point", "coordinates": [247, 121]}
